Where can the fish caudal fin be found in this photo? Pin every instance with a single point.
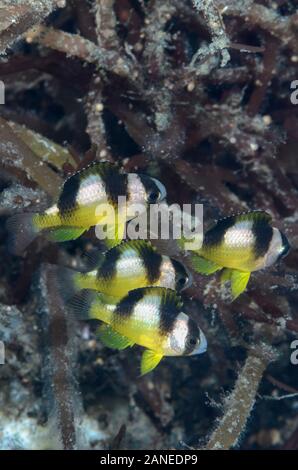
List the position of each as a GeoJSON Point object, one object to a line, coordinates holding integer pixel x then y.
{"type": "Point", "coordinates": [204, 266]}
{"type": "Point", "coordinates": [66, 281]}
{"type": "Point", "coordinates": [238, 279]}
{"type": "Point", "coordinates": [81, 304]}
{"type": "Point", "coordinates": [22, 231]}
{"type": "Point", "coordinates": [150, 359]}
{"type": "Point", "coordinates": [90, 305]}
{"type": "Point", "coordinates": [111, 339]}
{"type": "Point", "coordinates": [64, 234]}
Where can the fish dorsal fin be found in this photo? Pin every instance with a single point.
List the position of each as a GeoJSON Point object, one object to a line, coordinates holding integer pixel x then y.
{"type": "Point", "coordinates": [137, 245]}
{"type": "Point", "coordinates": [215, 234]}
{"type": "Point", "coordinates": [168, 296]}
{"type": "Point", "coordinates": [95, 167]}
{"type": "Point", "coordinates": [170, 304]}
{"type": "Point", "coordinates": [150, 359]}
{"type": "Point", "coordinates": [249, 215]}
{"type": "Point", "coordinates": [254, 215]}
{"type": "Point", "coordinates": [110, 338]}
{"type": "Point", "coordinates": [114, 180]}
{"type": "Point", "coordinates": [150, 259]}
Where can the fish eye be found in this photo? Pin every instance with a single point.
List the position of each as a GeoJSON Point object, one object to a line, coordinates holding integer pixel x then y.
{"type": "Point", "coordinates": [192, 341]}
{"type": "Point", "coordinates": [182, 281]}
{"type": "Point", "coordinates": [153, 196]}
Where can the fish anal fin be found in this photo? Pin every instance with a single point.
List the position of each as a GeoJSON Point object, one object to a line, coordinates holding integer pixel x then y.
{"type": "Point", "coordinates": [150, 359]}
{"type": "Point", "coordinates": [239, 280]}
{"type": "Point", "coordinates": [204, 266]}
{"type": "Point", "coordinates": [111, 339]}
{"type": "Point", "coordinates": [63, 234]}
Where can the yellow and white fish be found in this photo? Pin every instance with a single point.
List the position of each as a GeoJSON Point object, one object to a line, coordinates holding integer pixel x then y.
{"type": "Point", "coordinates": [151, 317]}
{"type": "Point", "coordinates": [125, 267]}
{"type": "Point", "coordinates": [240, 244]}
{"type": "Point", "coordinates": [76, 210]}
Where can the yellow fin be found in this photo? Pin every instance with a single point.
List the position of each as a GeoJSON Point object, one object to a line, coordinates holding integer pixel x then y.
{"type": "Point", "coordinates": [254, 215]}
{"type": "Point", "coordinates": [150, 359]}
{"type": "Point", "coordinates": [226, 275]}
{"type": "Point", "coordinates": [63, 234]}
{"type": "Point", "coordinates": [115, 232]}
{"type": "Point", "coordinates": [239, 280]}
{"type": "Point", "coordinates": [204, 266]}
{"type": "Point", "coordinates": [110, 338]}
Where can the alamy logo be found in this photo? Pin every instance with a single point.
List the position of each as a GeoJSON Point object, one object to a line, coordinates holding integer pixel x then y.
{"type": "Point", "coordinates": [294, 355]}
{"type": "Point", "coordinates": [2, 353]}
{"type": "Point", "coordinates": [159, 221]}
{"type": "Point", "coordinates": [2, 92]}
{"type": "Point", "coordinates": [294, 94]}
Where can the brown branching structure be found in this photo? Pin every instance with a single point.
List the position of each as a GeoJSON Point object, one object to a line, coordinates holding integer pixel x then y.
{"type": "Point", "coordinates": [196, 93]}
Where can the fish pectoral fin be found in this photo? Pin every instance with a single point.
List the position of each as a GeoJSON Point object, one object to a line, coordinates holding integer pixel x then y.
{"type": "Point", "coordinates": [115, 233]}
{"type": "Point", "coordinates": [239, 280]}
{"type": "Point", "coordinates": [63, 234]}
{"type": "Point", "coordinates": [150, 359]}
{"type": "Point", "coordinates": [110, 338]}
{"type": "Point", "coordinates": [204, 266]}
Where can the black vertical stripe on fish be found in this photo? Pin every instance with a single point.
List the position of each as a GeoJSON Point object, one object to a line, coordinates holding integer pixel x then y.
{"type": "Point", "coordinates": [115, 183]}
{"type": "Point", "coordinates": [68, 198]}
{"type": "Point", "coordinates": [285, 245]}
{"type": "Point", "coordinates": [263, 235]}
{"type": "Point", "coordinates": [181, 276]}
{"type": "Point", "coordinates": [192, 337]}
{"type": "Point", "coordinates": [169, 309]}
{"type": "Point", "coordinates": [126, 305]}
{"type": "Point", "coordinates": [215, 235]}
{"type": "Point", "coordinates": [108, 268]}
{"type": "Point", "coordinates": [151, 261]}
{"type": "Point", "coordinates": [151, 188]}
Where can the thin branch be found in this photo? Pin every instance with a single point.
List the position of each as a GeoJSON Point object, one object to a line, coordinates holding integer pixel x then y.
{"type": "Point", "coordinates": [16, 19]}
{"type": "Point", "coordinates": [17, 158]}
{"type": "Point", "coordinates": [106, 25]}
{"type": "Point", "coordinates": [76, 46]}
{"type": "Point", "coordinates": [239, 404]}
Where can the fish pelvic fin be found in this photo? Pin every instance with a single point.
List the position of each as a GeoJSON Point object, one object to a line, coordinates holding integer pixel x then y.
{"type": "Point", "coordinates": [63, 234]}
{"type": "Point", "coordinates": [150, 359]}
{"type": "Point", "coordinates": [239, 280]}
{"type": "Point", "coordinates": [111, 339]}
{"type": "Point", "coordinates": [203, 265]}
{"type": "Point", "coordinates": [115, 232]}
{"type": "Point", "coordinates": [22, 229]}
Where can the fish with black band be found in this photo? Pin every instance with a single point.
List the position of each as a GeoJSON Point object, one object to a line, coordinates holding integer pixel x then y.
{"type": "Point", "coordinates": [240, 245]}
{"type": "Point", "coordinates": [125, 267]}
{"type": "Point", "coordinates": [151, 317]}
{"type": "Point", "coordinates": [76, 210]}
